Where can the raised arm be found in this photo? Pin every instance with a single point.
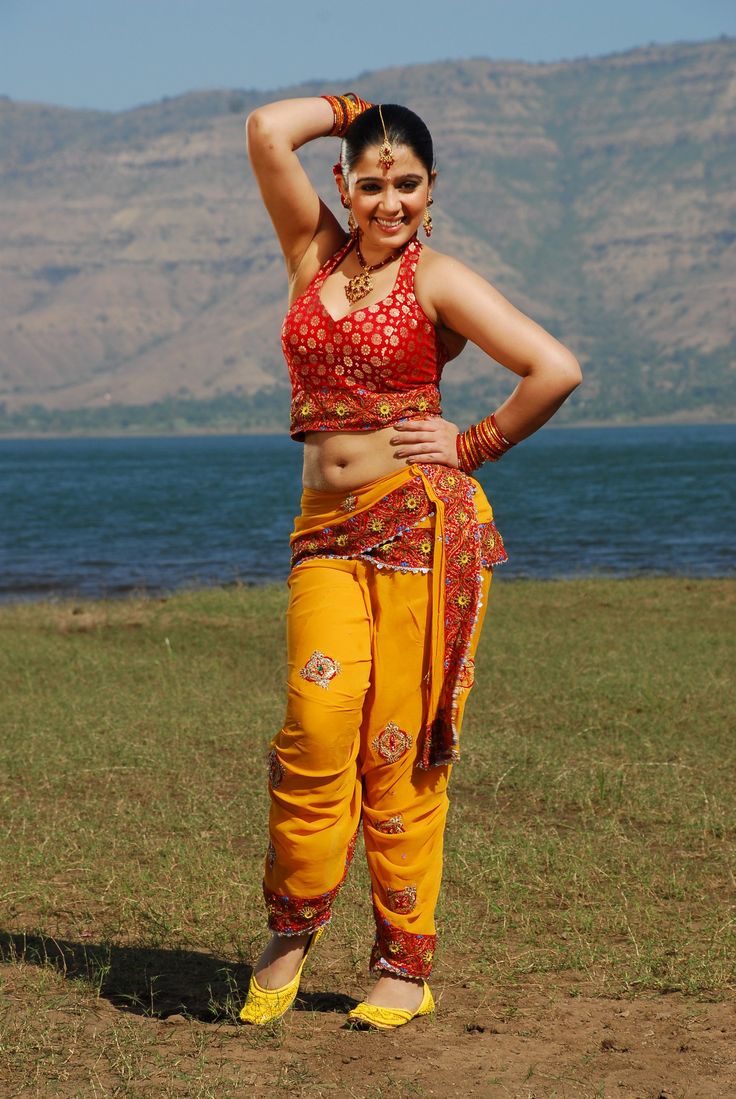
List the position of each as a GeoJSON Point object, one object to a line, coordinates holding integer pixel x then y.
{"type": "Point", "coordinates": [274, 133]}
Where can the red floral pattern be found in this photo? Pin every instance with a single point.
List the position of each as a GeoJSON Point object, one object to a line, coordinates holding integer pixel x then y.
{"type": "Point", "coordinates": [491, 545]}
{"type": "Point", "coordinates": [465, 544]}
{"type": "Point", "coordinates": [397, 951]}
{"type": "Point", "coordinates": [360, 410]}
{"type": "Point", "coordinates": [378, 364]}
{"type": "Point", "coordinates": [394, 826]}
{"type": "Point", "coordinates": [394, 533]}
{"type": "Point", "coordinates": [288, 915]}
{"type": "Point", "coordinates": [370, 531]}
{"type": "Point", "coordinates": [403, 900]}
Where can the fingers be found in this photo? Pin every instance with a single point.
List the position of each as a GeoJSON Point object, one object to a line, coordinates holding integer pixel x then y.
{"type": "Point", "coordinates": [416, 438]}
{"type": "Point", "coordinates": [426, 453]}
{"type": "Point", "coordinates": [417, 433]}
{"type": "Point", "coordinates": [425, 428]}
{"type": "Point", "coordinates": [402, 425]}
{"type": "Point", "coordinates": [419, 450]}
{"type": "Point", "coordinates": [432, 440]}
{"type": "Point", "coordinates": [430, 459]}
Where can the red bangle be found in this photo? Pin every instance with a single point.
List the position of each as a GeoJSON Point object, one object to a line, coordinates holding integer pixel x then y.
{"type": "Point", "coordinates": [345, 109]}
{"type": "Point", "coordinates": [482, 442]}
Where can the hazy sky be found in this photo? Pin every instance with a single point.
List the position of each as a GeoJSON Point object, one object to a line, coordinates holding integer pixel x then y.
{"type": "Point", "coordinates": [118, 53]}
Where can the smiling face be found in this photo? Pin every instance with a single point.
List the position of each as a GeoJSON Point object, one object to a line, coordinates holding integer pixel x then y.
{"type": "Point", "coordinates": [387, 205]}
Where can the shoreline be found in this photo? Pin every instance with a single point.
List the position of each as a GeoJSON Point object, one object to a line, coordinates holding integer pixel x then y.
{"type": "Point", "coordinates": [203, 433]}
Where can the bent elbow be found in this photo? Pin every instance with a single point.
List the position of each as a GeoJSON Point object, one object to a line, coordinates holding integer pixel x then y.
{"type": "Point", "coordinates": [256, 128]}
{"type": "Point", "coordinates": [253, 122]}
{"type": "Point", "coordinates": [568, 374]}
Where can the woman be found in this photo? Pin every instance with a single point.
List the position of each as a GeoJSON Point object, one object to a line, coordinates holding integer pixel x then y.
{"type": "Point", "coordinates": [393, 550]}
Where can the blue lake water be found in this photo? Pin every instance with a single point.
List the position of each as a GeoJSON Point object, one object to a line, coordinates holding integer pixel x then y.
{"type": "Point", "coordinates": [107, 516]}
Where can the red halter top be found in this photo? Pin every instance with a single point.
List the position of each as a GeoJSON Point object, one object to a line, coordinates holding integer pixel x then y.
{"type": "Point", "coordinates": [378, 364]}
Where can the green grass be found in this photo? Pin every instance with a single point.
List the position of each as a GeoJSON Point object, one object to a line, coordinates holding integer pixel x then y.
{"type": "Point", "coordinates": [602, 786]}
{"type": "Point", "coordinates": [590, 840]}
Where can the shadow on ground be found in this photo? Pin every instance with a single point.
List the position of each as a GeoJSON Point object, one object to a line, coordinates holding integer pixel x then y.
{"type": "Point", "coordinates": [154, 982]}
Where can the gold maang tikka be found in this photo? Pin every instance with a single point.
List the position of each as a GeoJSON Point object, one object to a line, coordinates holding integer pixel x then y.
{"type": "Point", "coordinates": [385, 152]}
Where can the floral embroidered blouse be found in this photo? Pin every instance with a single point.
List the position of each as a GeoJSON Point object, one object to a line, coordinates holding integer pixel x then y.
{"type": "Point", "coordinates": [378, 364]}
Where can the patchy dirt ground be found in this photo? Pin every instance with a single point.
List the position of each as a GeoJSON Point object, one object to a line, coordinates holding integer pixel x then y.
{"type": "Point", "coordinates": [538, 1043]}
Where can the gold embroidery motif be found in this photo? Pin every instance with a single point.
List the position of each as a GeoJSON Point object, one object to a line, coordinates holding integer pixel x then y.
{"type": "Point", "coordinates": [275, 769]}
{"type": "Point", "coordinates": [466, 677]}
{"type": "Point", "coordinates": [394, 826]}
{"type": "Point", "coordinates": [320, 669]}
{"type": "Point", "coordinates": [403, 900]}
{"type": "Point", "coordinates": [362, 406]}
{"type": "Point", "coordinates": [392, 743]}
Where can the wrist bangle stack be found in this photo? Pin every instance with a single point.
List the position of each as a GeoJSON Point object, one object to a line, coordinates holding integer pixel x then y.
{"type": "Point", "coordinates": [481, 443]}
{"type": "Point", "coordinates": [345, 109]}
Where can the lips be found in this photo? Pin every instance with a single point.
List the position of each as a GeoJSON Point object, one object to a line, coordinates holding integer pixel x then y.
{"type": "Point", "coordinates": [394, 223]}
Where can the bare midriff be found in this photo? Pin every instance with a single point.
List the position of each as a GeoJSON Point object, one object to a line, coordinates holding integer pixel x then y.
{"type": "Point", "coordinates": [336, 461]}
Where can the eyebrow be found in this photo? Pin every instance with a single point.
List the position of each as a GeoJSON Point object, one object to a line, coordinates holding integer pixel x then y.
{"type": "Point", "coordinates": [379, 179]}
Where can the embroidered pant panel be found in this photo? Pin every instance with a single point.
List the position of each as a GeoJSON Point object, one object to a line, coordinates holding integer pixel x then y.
{"type": "Point", "coordinates": [358, 654]}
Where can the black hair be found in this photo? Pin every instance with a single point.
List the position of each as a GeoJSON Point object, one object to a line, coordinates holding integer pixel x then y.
{"type": "Point", "coordinates": [403, 127]}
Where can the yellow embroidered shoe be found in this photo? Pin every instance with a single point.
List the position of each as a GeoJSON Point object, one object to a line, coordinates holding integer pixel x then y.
{"type": "Point", "coordinates": [387, 1018]}
{"type": "Point", "coordinates": [265, 1005]}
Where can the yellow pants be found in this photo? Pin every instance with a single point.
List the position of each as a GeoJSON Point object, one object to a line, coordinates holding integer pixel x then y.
{"type": "Point", "coordinates": [359, 650]}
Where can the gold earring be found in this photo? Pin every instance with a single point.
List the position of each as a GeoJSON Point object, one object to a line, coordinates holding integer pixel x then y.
{"type": "Point", "coordinates": [427, 220]}
{"type": "Point", "coordinates": [352, 224]}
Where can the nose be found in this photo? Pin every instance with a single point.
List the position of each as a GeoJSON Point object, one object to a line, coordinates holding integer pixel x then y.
{"type": "Point", "coordinates": [391, 201]}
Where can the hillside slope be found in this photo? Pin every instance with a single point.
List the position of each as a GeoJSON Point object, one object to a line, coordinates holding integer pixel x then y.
{"type": "Point", "coordinates": [138, 267]}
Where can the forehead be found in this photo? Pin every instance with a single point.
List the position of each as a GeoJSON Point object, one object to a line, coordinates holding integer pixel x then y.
{"type": "Point", "coordinates": [406, 162]}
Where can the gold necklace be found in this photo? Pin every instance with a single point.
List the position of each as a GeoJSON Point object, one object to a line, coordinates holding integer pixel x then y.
{"type": "Point", "coordinates": [360, 286]}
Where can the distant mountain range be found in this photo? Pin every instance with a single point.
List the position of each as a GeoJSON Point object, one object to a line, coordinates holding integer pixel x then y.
{"type": "Point", "coordinates": [141, 287]}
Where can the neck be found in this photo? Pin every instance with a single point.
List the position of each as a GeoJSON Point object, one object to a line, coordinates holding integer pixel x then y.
{"type": "Point", "coordinates": [372, 257]}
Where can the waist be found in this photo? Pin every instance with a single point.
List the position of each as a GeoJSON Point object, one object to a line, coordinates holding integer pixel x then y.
{"type": "Point", "coordinates": [319, 507]}
{"type": "Point", "coordinates": [340, 461]}
{"type": "Point", "coordinates": [358, 409]}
